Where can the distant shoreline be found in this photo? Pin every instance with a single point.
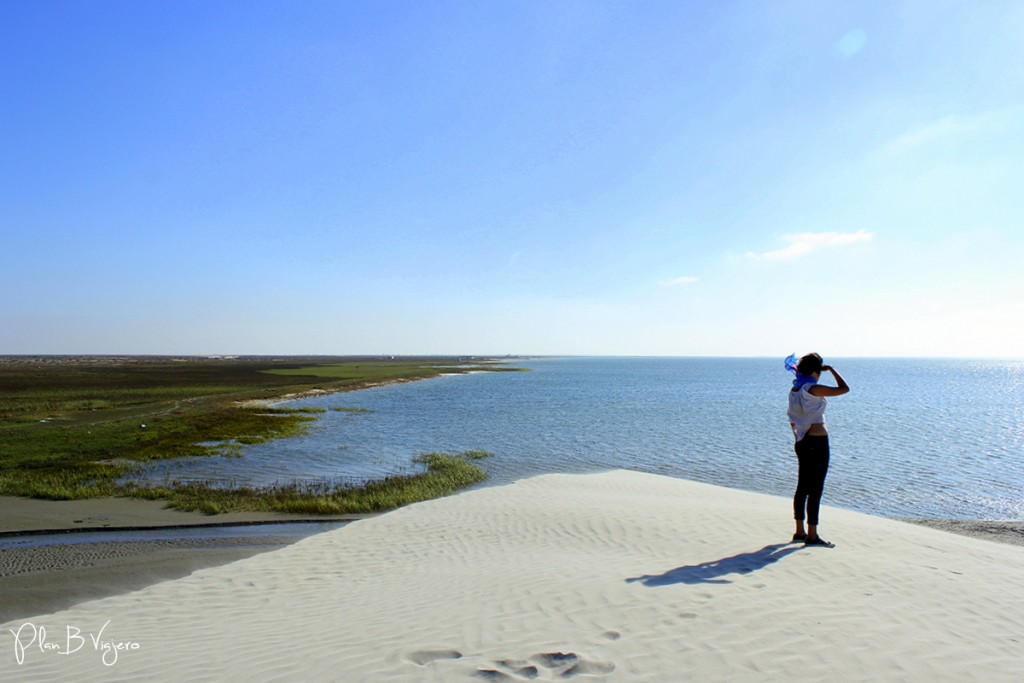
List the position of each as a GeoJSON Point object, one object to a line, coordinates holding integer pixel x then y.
{"type": "Point", "coordinates": [132, 359]}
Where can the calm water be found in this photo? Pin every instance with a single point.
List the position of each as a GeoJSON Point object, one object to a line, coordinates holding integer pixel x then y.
{"type": "Point", "coordinates": [917, 438]}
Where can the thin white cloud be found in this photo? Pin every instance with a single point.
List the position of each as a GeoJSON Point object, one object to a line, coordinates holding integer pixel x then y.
{"type": "Point", "coordinates": [945, 127]}
{"type": "Point", "coordinates": [684, 280]}
{"type": "Point", "coordinates": [804, 243]}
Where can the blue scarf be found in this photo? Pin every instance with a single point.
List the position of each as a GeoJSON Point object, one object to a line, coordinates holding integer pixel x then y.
{"type": "Point", "coordinates": [801, 380]}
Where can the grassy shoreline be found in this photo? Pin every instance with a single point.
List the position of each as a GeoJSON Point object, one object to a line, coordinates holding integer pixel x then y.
{"type": "Point", "coordinates": [70, 428]}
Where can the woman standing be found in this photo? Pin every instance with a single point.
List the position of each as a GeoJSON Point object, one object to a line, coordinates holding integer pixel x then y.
{"type": "Point", "coordinates": [807, 419]}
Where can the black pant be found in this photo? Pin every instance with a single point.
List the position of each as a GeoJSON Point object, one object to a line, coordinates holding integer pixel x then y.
{"type": "Point", "coordinates": [812, 454]}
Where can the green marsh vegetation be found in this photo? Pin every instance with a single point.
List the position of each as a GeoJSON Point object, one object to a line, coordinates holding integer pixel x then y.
{"type": "Point", "coordinates": [72, 428]}
{"type": "Point", "coordinates": [445, 473]}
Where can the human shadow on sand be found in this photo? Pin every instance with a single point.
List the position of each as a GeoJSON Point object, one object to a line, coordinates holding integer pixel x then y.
{"type": "Point", "coordinates": [712, 572]}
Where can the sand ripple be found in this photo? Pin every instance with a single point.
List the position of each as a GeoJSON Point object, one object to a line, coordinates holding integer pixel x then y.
{"type": "Point", "coordinates": [619, 576]}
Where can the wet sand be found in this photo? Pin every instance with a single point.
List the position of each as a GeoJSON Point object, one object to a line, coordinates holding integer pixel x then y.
{"type": "Point", "coordinates": [47, 579]}
{"type": "Point", "coordinates": [1011, 532]}
{"type": "Point", "coordinates": [42, 573]}
{"type": "Point", "coordinates": [19, 515]}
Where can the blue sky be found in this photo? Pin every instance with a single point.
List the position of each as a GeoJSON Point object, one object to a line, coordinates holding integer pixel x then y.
{"type": "Point", "coordinates": [627, 178]}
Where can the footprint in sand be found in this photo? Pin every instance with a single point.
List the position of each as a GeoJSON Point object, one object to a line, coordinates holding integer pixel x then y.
{"type": "Point", "coordinates": [545, 665]}
{"type": "Point", "coordinates": [569, 664]}
{"type": "Point", "coordinates": [519, 668]}
{"type": "Point", "coordinates": [555, 660]}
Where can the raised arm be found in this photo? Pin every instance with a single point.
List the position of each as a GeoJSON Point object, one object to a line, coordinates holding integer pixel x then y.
{"type": "Point", "coordinates": [821, 390]}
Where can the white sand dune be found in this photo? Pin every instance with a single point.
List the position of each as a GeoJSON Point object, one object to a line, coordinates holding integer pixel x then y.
{"type": "Point", "coordinates": [618, 576]}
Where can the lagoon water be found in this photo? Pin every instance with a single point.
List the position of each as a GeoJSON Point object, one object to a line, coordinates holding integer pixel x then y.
{"type": "Point", "coordinates": [914, 438]}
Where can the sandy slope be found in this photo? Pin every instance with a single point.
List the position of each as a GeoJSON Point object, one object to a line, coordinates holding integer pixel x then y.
{"type": "Point", "coordinates": [617, 576]}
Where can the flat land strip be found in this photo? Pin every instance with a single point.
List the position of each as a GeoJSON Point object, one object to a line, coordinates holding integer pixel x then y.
{"type": "Point", "coordinates": [72, 426]}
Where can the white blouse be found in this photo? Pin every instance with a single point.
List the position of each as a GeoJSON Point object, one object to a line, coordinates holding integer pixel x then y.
{"type": "Point", "coordinates": [805, 409]}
